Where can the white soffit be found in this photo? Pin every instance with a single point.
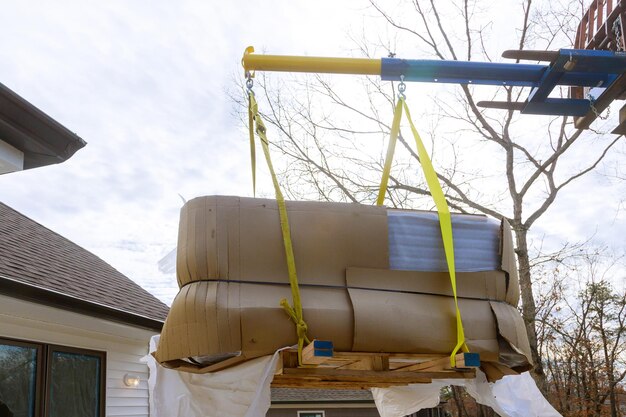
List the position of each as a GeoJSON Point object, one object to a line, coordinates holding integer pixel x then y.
{"type": "Point", "coordinates": [11, 159]}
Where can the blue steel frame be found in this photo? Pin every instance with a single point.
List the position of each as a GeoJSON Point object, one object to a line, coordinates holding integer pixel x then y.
{"type": "Point", "coordinates": [573, 67]}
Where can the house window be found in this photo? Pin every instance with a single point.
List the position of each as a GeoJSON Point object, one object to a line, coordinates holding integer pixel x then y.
{"type": "Point", "coordinates": [310, 414]}
{"type": "Point", "coordinates": [51, 381]}
{"type": "Point", "coordinates": [20, 376]}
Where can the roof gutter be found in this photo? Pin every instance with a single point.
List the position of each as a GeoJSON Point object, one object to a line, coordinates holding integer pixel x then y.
{"type": "Point", "coordinates": [42, 139]}
{"type": "Point", "coordinates": [28, 292]}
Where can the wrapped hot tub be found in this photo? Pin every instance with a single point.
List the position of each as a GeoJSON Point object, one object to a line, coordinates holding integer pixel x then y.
{"type": "Point", "coordinates": [371, 279]}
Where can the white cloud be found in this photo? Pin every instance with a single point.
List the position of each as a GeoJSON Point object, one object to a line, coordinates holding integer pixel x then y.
{"type": "Point", "coordinates": [144, 84]}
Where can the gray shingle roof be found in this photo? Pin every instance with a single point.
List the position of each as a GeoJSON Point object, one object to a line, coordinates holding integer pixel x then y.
{"type": "Point", "coordinates": [303, 395]}
{"type": "Point", "coordinates": [33, 254]}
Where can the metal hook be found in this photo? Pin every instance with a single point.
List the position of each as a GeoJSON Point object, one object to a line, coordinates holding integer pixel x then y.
{"type": "Point", "coordinates": [401, 87]}
{"type": "Point", "coordinates": [249, 83]}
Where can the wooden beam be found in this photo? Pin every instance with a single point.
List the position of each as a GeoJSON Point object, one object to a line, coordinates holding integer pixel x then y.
{"type": "Point", "coordinates": [495, 371]}
{"type": "Point", "coordinates": [463, 361]}
{"type": "Point", "coordinates": [621, 128]}
{"type": "Point", "coordinates": [363, 370]}
{"type": "Point", "coordinates": [282, 381]}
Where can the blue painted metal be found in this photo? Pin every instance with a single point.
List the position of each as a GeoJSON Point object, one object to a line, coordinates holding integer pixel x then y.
{"type": "Point", "coordinates": [573, 67]}
{"type": "Point", "coordinates": [461, 72]}
{"type": "Point", "coordinates": [550, 78]}
{"type": "Point", "coordinates": [595, 61]}
{"type": "Point", "coordinates": [483, 73]}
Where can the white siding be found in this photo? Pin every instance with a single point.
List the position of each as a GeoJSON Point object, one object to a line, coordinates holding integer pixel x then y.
{"type": "Point", "coordinates": [124, 345]}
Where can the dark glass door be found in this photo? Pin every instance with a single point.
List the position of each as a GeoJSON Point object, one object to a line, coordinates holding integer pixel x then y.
{"type": "Point", "coordinates": [19, 379]}
{"type": "Point", "coordinates": [74, 384]}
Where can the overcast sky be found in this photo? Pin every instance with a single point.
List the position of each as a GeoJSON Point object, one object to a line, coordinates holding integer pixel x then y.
{"type": "Point", "coordinates": [145, 84]}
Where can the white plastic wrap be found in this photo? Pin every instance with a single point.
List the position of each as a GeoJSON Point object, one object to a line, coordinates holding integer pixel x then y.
{"type": "Point", "coordinates": [240, 391]}
{"type": "Point", "coordinates": [415, 242]}
{"type": "Point", "coordinates": [512, 396]}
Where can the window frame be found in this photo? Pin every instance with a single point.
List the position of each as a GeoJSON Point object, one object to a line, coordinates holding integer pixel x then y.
{"type": "Point", "coordinates": [43, 371]}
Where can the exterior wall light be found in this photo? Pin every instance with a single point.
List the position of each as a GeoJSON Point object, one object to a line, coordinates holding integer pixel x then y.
{"type": "Point", "coordinates": [131, 381]}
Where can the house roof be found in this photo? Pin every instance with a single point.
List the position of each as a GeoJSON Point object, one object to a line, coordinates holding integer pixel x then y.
{"type": "Point", "coordinates": [311, 395]}
{"type": "Point", "coordinates": [39, 264]}
{"type": "Point", "coordinates": [43, 140]}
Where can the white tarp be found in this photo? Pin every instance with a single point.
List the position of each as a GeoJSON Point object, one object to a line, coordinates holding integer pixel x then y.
{"type": "Point", "coordinates": [512, 396]}
{"type": "Point", "coordinates": [240, 391]}
{"type": "Point", "coordinates": [244, 391]}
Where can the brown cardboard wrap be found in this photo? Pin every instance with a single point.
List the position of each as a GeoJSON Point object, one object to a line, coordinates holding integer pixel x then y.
{"type": "Point", "coordinates": [232, 273]}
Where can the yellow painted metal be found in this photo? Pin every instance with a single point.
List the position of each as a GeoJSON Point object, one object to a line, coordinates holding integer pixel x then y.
{"type": "Point", "coordinates": [364, 66]}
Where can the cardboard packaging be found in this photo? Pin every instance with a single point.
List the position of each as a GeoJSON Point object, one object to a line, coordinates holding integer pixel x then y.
{"type": "Point", "coordinates": [232, 272]}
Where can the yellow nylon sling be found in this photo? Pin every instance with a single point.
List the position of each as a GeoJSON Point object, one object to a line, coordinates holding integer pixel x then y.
{"type": "Point", "coordinates": [295, 312]}
{"type": "Point", "coordinates": [252, 147]}
{"type": "Point", "coordinates": [445, 222]}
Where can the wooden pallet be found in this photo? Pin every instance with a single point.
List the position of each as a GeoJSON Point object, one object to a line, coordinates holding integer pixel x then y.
{"type": "Point", "coordinates": [324, 368]}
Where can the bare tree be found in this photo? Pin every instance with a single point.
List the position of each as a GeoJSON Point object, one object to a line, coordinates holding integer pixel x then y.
{"type": "Point", "coordinates": [458, 403]}
{"type": "Point", "coordinates": [581, 336]}
{"type": "Point", "coordinates": [492, 162]}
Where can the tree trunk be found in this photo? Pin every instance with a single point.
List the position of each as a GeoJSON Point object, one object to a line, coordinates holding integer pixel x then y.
{"type": "Point", "coordinates": [529, 309]}
{"type": "Point", "coordinates": [613, 400]}
{"type": "Point", "coordinates": [458, 400]}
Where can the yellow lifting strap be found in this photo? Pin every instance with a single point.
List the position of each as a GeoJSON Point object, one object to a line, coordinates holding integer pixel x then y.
{"type": "Point", "coordinates": [443, 211]}
{"type": "Point", "coordinates": [252, 147]}
{"type": "Point", "coordinates": [295, 312]}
